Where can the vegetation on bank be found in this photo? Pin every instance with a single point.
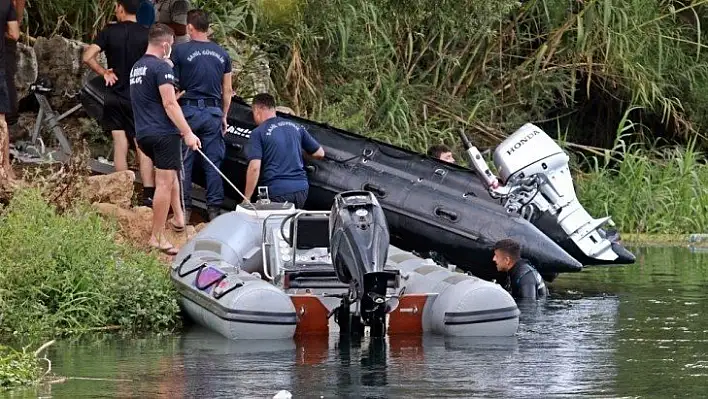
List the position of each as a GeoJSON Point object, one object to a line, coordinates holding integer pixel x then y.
{"type": "Point", "coordinates": [64, 273]}
{"type": "Point", "coordinates": [17, 368]}
{"type": "Point", "coordinates": [415, 73]}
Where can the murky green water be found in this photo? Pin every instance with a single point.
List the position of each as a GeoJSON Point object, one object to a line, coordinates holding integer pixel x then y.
{"type": "Point", "coordinates": [638, 331]}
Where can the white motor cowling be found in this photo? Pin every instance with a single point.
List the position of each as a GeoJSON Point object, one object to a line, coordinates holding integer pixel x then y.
{"type": "Point", "coordinates": [534, 170]}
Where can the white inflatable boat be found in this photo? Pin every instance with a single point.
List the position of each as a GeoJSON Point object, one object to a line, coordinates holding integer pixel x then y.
{"type": "Point", "coordinates": [270, 271]}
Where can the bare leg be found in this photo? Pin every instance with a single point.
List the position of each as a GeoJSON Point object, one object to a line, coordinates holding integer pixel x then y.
{"type": "Point", "coordinates": [5, 148]}
{"type": "Point", "coordinates": [164, 180]}
{"type": "Point", "coordinates": [147, 173]}
{"type": "Point", "coordinates": [176, 201]}
{"type": "Point", "coordinates": [120, 150]}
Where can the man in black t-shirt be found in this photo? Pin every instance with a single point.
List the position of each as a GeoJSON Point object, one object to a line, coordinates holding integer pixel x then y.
{"type": "Point", "coordinates": [123, 43]}
{"type": "Point", "coordinates": [9, 27]}
{"type": "Point", "coordinates": [160, 127]}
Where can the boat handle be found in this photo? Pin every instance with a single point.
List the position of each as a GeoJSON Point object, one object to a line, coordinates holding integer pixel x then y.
{"type": "Point", "coordinates": [447, 214]}
{"type": "Point", "coordinates": [237, 146]}
{"type": "Point", "coordinates": [380, 192]}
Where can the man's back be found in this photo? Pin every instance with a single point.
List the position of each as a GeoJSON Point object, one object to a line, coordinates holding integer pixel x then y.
{"type": "Point", "coordinates": [7, 13]}
{"type": "Point", "coordinates": [146, 77]}
{"type": "Point", "coordinates": [526, 282]}
{"type": "Point", "coordinates": [123, 43]}
{"type": "Point", "coordinates": [200, 68]}
{"type": "Point", "coordinates": [278, 143]}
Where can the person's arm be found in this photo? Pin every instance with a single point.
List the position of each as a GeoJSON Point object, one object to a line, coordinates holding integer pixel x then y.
{"type": "Point", "coordinates": [13, 27]}
{"type": "Point", "coordinates": [166, 83]}
{"type": "Point", "coordinates": [90, 55]}
{"type": "Point", "coordinates": [178, 17]}
{"type": "Point", "coordinates": [310, 145]}
{"type": "Point", "coordinates": [254, 152]}
{"type": "Point", "coordinates": [227, 92]}
{"type": "Point", "coordinates": [252, 175]}
{"type": "Point", "coordinates": [19, 11]}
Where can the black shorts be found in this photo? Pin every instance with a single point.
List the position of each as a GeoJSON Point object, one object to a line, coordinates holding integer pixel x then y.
{"type": "Point", "coordinates": [164, 150]}
{"type": "Point", "coordinates": [5, 107]}
{"type": "Point", "coordinates": [118, 114]}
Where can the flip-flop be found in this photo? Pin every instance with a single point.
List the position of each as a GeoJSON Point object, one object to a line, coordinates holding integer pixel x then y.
{"type": "Point", "coordinates": [175, 227]}
{"type": "Point", "coordinates": [171, 250]}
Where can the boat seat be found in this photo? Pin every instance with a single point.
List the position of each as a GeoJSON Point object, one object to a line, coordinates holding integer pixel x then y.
{"type": "Point", "coordinates": [310, 231]}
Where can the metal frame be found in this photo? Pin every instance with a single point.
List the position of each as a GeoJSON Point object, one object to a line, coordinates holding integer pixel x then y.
{"type": "Point", "coordinates": [266, 244]}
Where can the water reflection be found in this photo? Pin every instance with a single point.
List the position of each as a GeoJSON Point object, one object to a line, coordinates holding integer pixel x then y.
{"type": "Point", "coordinates": [607, 332]}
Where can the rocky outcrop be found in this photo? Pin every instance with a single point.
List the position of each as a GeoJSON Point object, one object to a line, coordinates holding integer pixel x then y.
{"type": "Point", "coordinates": [59, 59]}
{"type": "Point", "coordinates": [135, 222]}
{"type": "Point", "coordinates": [115, 188]}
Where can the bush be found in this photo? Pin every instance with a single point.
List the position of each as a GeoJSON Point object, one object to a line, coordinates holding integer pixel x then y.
{"type": "Point", "coordinates": [17, 368]}
{"type": "Point", "coordinates": [66, 273]}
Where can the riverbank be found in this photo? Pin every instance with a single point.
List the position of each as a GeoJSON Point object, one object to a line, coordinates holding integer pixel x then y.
{"type": "Point", "coordinates": [77, 264]}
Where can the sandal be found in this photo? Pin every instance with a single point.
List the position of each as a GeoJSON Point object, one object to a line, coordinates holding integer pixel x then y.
{"type": "Point", "coordinates": [174, 226]}
{"type": "Point", "coordinates": [171, 250]}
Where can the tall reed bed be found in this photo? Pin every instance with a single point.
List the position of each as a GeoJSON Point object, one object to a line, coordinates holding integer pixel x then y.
{"type": "Point", "coordinates": [414, 73]}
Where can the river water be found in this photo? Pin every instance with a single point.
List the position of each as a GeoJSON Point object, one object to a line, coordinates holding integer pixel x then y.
{"type": "Point", "coordinates": [635, 331]}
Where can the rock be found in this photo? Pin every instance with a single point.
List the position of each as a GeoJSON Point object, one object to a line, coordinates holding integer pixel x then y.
{"type": "Point", "coordinates": [59, 59]}
{"type": "Point", "coordinates": [135, 224]}
{"type": "Point", "coordinates": [115, 188]}
{"type": "Point", "coordinates": [26, 69]}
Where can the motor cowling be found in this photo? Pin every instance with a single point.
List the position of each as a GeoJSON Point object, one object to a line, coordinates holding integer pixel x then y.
{"type": "Point", "coordinates": [359, 237]}
{"type": "Point", "coordinates": [535, 171]}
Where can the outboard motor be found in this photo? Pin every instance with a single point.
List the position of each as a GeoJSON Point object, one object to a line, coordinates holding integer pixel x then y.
{"type": "Point", "coordinates": [359, 241]}
{"type": "Point", "coordinates": [535, 181]}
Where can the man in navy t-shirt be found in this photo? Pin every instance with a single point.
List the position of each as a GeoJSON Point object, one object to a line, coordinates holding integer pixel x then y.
{"type": "Point", "coordinates": [160, 127]}
{"type": "Point", "coordinates": [203, 70]}
{"type": "Point", "coordinates": [275, 154]}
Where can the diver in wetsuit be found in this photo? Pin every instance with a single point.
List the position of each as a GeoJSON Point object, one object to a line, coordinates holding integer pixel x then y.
{"type": "Point", "coordinates": [523, 280]}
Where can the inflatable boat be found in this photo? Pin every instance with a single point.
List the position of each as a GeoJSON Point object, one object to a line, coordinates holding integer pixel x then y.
{"type": "Point", "coordinates": [270, 271]}
{"type": "Point", "coordinates": [434, 206]}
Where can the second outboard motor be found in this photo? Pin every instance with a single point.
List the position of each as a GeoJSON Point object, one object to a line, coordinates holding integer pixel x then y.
{"type": "Point", "coordinates": [359, 241]}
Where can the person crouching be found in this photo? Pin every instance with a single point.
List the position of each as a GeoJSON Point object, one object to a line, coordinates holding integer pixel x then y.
{"type": "Point", "coordinates": [160, 127]}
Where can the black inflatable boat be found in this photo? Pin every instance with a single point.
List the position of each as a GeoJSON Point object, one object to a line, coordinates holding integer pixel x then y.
{"type": "Point", "coordinates": [430, 205]}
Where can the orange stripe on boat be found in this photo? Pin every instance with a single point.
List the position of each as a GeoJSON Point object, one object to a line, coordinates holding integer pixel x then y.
{"type": "Point", "coordinates": [408, 317]}
{"type": "Point", "coordinates": [311, 314]}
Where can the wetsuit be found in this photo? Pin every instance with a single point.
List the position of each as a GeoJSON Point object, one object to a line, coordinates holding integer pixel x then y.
{"type": "Point", "coordinates": [525, 282]}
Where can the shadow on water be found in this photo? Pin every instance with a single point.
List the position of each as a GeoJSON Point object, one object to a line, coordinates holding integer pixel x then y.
{"type": "Point", "coordinates": [606, 332]}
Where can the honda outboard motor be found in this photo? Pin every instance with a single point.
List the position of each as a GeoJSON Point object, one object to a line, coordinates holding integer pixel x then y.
{"type": "Point", "coordinates": [359, 241]}
{"type": "Point", "coordinates": [535, 181]}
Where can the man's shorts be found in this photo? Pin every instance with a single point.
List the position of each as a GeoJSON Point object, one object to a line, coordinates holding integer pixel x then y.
{"type": "Point", "coordinates": [164, 150]}
{"type": "Point", "coordinates": [5, 107]}
{"type": "Point", "coordinates": [118, 114]}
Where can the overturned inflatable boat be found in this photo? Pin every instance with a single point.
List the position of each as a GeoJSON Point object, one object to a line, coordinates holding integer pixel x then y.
{"type": "Point", "coordinates": [432, 205]}
{"type": "Point", "coordinates": [269, 271]}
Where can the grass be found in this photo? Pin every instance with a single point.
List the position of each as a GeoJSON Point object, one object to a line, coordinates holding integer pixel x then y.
{"type": "Point", "coordinates": [65, 274]}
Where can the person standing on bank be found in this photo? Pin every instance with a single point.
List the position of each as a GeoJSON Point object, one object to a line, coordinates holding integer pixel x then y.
{"type": "Point", "coordinates": [160, 127]}
{"type": "Point", "coordinates": [523, 280]}
{"type": "Point", "coordinates": [9, 28]}
{"type": "Point", "coordinates": [203, 70]}
{"type": "Point", "coordinates": [275, 149]}
{"type": "Point", "coordinates": [173, 13]}
{"type": "Point", "coordinates": [11, 64]}
{"type": "Point", "coordinates": [123, 43]}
